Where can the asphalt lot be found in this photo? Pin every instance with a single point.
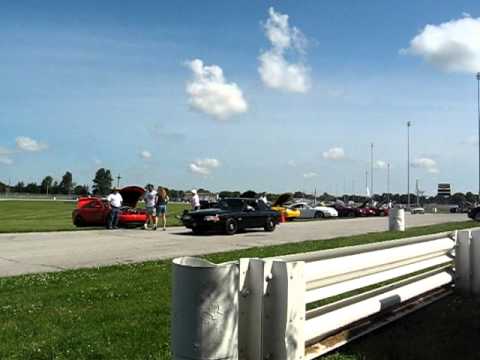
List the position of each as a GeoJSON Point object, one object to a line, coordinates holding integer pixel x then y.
{"type": "Point", "coordinates": [56, 251]}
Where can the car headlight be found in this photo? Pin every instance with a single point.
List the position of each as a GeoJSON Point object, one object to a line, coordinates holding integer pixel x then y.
{"type": "Point", "coordinates": [213, 218]}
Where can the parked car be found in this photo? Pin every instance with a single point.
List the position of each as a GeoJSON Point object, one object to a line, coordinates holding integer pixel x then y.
{"type": "Point", "coordinates": [232, 215]}
{"type": "Point", "coordinates": [474, 213]}
{"type": "Point", "coordinates": [417, 210]}
{"type": "Point", "coordinates": [280, 206]}
{"type": "Point", "coordinates": [308, 212]}
{"type": "Point", "coordinates": [94, 211]}
{"type": "Point", "coordinates": [344, 210]}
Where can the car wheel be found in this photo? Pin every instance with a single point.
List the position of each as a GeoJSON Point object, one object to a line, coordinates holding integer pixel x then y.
{"type": "Point", "coordinates": [351, 214]}
{"type": "Point", "coordinates": [197, 231]}
{"type": "Point", "coordinates": [79, 221]}
{"type": "Point", "coordinates": [269, 225]}
{"type": "Point", "coordinates": [319, 215]}
{"type": "Point", "coordinates": [231, 226]}
{"type": "Point", "coordinates": [382, 213]}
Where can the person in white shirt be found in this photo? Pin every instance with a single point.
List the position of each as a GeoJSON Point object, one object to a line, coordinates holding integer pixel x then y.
{"type": "Point", "coordinates": [150, 198]}
{"type": "Point", "coordinates": [115, 200]}
{"type": "Point", "coordinates": [195, 201]}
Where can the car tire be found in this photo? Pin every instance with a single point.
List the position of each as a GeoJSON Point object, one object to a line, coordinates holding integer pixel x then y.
{"type": "Point", "coordinates": [269, 225]}
{"type": "Point", "coordinates": [231, 226]}
{"type": "Point", "coordinates": [476, 217]}
{"type": "Point", "coordinates": [351, 214]}
{"type": "Point", "coordinates": [319, 215]}
{"type": "Point", "coordinates": [197, 231]}
{"type": "Point", "coordinates": [79, 221]}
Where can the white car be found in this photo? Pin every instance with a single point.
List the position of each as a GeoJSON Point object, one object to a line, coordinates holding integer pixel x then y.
{"type": "Point", "coordinates": [417, 210]}
{"type": "Point", "coordinates": [309, 212]}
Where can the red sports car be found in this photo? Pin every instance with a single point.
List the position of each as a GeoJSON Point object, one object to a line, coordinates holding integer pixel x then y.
{"type": "Point", "coordinates": [93, 211]}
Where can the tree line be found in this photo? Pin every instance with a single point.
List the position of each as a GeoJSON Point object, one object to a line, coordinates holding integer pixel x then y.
{"type": "Point", "coordinates": [103, 183]}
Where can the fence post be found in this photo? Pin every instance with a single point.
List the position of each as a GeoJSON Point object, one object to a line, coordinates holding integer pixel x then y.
{"type": "Point", "coordinates": [463, 262]}
{"type": "Point", "coordinates": [250, 301]}
{"type": "Point", "coordinates": [475, 262]}
{"type": "Point", "coordinates": [284, 312]}
{"type": "Point", "coordinates": [204, 310]}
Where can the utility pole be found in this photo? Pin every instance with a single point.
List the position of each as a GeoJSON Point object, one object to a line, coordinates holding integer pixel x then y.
{"type": "Point", "coordinates": [478, 110]}
{"type": "Point", "coordinates": [388, 182]}
{"type": "Point", "coordinates": [409, 124]}
{"type": "Point", "coordinates": [371, 169]}
{"type": "Point", "coordinates": [118, 180]}
{"type": "Point", "coordinates": [366, 183]}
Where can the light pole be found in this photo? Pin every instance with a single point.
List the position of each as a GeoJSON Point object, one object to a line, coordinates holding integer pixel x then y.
{"type": "Point", "coordinates": [409, 123]}
{"type": "Point", "coordinates": [388, 183]}
{"type": "Point", "coordinates": [478, 110]}
{"type": "Point", "coordinates": [371, 169]}
{"type": "Point", "coordinates": [118, 180]}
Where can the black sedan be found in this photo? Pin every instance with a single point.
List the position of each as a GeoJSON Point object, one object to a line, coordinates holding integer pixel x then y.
{"type": "Point", "coordinates": [474, 214]}
{"type": "Point", "coordinates": [231, 215]}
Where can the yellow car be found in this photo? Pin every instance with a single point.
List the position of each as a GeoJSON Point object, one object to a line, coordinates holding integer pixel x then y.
{"type": "Point", "coordinates": [278, 206]}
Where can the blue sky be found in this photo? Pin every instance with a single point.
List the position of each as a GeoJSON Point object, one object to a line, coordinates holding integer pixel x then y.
{"type": "Point", "coordinates": [95, 84]}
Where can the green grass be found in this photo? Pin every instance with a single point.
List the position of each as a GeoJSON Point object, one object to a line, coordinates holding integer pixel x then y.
{"type": "Point", "coordinates": [123, 312]}
{"type": "Point", "coordinates": [28, 216]}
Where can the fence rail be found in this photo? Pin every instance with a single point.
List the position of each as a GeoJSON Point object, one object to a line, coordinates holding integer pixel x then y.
{"type": "Point", "coordinates": [304, 305]}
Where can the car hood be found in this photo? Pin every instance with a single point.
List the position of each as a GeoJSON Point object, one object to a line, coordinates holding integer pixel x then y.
{"type": "Point", "coordinates": [282, 199]}
{"type": "Point", "coordinates": [131, 195]}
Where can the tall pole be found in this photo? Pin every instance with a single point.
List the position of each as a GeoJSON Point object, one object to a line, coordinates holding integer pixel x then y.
{"type": "Point", "coordinates": [118, 180]}
{"type": "Point", "coordinates": [478, 109]}
{"type": "Point", "coordinates": [388, 183]}
{"type": "Point", "coordinates": [366, 182]}
{"type": "Point", "coordinates": [371, 169]}
{"type": "Point", "coordinates": [408, 164]}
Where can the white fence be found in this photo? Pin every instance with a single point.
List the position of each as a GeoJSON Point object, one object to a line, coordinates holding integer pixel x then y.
{"type": "Point", "coordinates": [302, 306]}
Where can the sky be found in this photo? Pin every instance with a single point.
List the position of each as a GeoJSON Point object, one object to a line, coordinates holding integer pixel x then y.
{"type": "Point", "coordinates": [265, 95]}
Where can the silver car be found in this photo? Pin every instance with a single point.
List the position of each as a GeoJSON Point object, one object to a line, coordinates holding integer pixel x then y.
{"type": "Point", "coordinates": [309, 212]}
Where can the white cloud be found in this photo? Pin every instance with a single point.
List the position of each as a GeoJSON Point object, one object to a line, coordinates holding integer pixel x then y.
{"type": "Point", "coordinates": [211, 94]}
{"type": "Point", "coordinates": [291, 163]}
{"type": "Point", "coordinates": [25, 143]}
{"type": "Point", "coordinates": [451, 46]}
{"type": "Point", "coordinates": [5, 156]}
{"type": "Point", "coordinates": [427, 164]}
{"type": "Point", "coordinates": [275, 70]}
{"type": "Point", "coordinates": [471, 140]}
{"type": "Point", "coordinates": [335, 153]}
{"type": "Point", "coordinates": [310, 175]}
{"type": "Point", "coordinates": [145, 154]}
{"type": "Point", "coordinates": [204, 166]}
{"type": "Point", "coordinates": [380, 164]}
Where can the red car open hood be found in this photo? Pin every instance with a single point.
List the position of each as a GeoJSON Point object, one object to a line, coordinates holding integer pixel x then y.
{"type": "Point", "coordinates": [131, 195]}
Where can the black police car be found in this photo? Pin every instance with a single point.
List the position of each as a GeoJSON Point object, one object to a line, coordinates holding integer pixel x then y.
{"type": "Point", "coordinates": [231, 215]}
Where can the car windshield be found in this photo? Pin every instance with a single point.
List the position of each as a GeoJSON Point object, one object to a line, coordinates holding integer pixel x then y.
{"type": "Point", "coordinates": [231, 204]}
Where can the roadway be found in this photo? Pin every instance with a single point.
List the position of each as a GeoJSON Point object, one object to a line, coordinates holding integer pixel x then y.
{"type": "Point", "coordinates": [57, 251]}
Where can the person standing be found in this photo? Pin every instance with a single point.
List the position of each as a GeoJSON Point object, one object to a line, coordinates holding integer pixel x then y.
{"type": "Point", "coordinates": [115, 200]}
{"type": "Point", "coordinates": [195, 200]}
{"type": "Point", "coordinates": [162, 201]}
{"type": "Point", "coordinates": [150, 198]}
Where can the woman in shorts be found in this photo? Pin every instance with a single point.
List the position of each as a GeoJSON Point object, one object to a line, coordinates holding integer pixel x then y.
{"type": "Point", "coordinates": [161, 206]}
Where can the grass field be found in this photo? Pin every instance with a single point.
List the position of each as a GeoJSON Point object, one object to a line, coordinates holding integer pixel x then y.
{"type": "Point", "coordinates": [28, 216]}
{"type": "Point", "coordinates": [123, 312]}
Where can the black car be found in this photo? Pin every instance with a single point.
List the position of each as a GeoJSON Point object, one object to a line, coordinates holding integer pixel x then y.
{"type": "Point", "coordinates": [231, 215]}
{"type": "Point", "coordinates": [474, 214]}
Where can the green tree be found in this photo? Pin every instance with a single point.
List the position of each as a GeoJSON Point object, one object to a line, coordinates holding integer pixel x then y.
{"type": "Point", "coordinates": [3, 187]}
{"type": "Point", "coordinates": [102, 183]}
{"type": "Point", "coordinates": [46, 185]}
{"type": "Point", "coordinates": [32, 188]}
{"type": "Point", "coordinates": [66, 185]}
{"type": "Point", "coordinates": [81, 190]}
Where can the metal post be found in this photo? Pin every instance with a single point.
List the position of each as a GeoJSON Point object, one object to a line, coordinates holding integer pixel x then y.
{"type": "Point", "coordinates": [371, 169]}
{"type": "Point", "coordinates": [408, 164]}
{"type": "Point", "coordinates": [118, 180]}
{"type": "Point", "coordinates": [366, 182]}
{"type": "Point", "coordinates": [388, 183]}
{"type": "Point", "coordinates": [478, 110]}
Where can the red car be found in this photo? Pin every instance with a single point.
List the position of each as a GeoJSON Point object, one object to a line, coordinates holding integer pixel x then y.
{"type": "Point", "coordinates": [93, 211]}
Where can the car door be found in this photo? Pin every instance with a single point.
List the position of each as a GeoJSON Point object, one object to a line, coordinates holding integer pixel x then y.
{"type": "Point", "coordinates": [253, 215]}
{"type": "Point", "coordinates": [94, 213]}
